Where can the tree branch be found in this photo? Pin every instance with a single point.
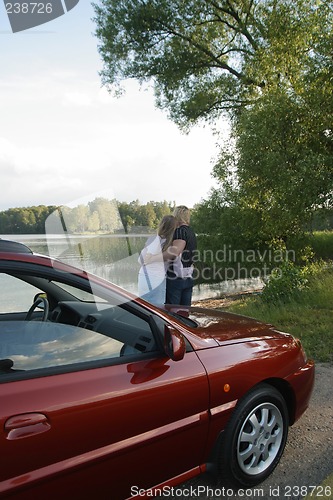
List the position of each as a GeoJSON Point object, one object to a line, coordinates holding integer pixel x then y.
{"type": "Point", "coordinates": [242, 26]}
{"type": "Point", "coordinates": [204, 50]}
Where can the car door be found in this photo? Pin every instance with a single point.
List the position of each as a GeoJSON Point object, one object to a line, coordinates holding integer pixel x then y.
{"type": "Point", "coordinates": [104, 425]}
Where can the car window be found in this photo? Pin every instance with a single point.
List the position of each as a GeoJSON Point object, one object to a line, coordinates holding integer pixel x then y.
{"type": "Point", "coordinates": [66, 333]}
{"type": "Point", "coordinates": [77, 293]}
{"type": "Point", "coordinates": [33, 345]}
{"type": "Point", "coordinates": [16, 295]}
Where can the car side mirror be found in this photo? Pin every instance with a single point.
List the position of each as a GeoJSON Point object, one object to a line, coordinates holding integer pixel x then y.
{"type": "Point", "coordinates": [174, 343]}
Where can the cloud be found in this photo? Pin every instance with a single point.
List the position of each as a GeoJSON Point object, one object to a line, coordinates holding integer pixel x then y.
{"type": "Point", "coordinates": [77, 99]}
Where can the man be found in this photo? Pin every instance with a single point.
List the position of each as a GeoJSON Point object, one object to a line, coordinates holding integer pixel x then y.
{"type": "Point", "coordinates": [179, 283]}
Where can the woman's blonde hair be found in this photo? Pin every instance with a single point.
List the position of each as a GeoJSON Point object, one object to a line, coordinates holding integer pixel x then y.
{"type": "Point", "coordinates": [166, 229]}
{"type": "Point", "coordinates": [182, 214]}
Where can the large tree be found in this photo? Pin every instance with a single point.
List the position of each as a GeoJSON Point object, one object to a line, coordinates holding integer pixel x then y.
{"type": "Point", "coordinates": [197, 54]}
{"type": "Point", "coordinates": [204, 57]}
{"type": "Point", "coordinates": [277, 170]}
{"type": "Point", "coordinates": [266, 63]}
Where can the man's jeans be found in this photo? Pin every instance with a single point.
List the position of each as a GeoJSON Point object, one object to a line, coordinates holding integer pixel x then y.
{"type": "Point", "coordinates": [179, 291]}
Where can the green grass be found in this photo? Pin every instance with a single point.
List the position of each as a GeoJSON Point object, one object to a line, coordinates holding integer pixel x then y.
{"type": "Point", "coordinates": [308, 315]}
{"type": "Point", "coordinates": [322, 244]}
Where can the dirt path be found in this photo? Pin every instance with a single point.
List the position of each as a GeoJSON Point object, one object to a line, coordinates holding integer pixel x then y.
{"type": "Point", "coordinates": [224, 301]}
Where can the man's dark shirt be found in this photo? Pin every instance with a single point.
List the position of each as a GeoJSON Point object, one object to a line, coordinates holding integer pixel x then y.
{"type": "Point", "coordinates": [186, 234]}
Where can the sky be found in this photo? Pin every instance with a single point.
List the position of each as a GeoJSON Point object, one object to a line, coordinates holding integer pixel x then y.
{"type": "Point", "coordinates": [63, 137]}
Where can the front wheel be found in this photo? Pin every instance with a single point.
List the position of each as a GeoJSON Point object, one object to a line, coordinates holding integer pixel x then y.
{"type": "Point", "coordinates": [255, 437]}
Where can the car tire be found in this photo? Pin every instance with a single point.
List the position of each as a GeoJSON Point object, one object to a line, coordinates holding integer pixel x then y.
{"type": "Point", "coordinates": [254, 438]}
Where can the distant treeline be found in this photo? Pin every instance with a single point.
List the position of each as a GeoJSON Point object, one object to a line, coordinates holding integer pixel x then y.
{"type": "Point", "coordinates": [111, 216]}
{"type": "Point", "coordinates": [99, 215]}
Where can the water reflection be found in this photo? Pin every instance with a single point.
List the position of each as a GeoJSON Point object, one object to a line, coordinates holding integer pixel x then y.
{"type": "Point", "coordinates": [115, 258]}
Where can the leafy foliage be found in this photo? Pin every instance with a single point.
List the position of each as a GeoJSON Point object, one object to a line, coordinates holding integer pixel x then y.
{"type": "Point", "coordinates": [207, 57]}
{"type": "Point", "coordinates": [25, 220]}
{"type": "Point", "coordinates": [284, 282]}
{"type": "Point", "coordinates": [284, 168]}
{"type": "Point", "coordinates": [289, 280]}
{"type": "Point", "coordinates": [197, 53]}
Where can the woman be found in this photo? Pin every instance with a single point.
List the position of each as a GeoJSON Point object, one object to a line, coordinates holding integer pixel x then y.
{"type": "Point", "coordinates": [152, 274]}
{"type": "Point", "coordinates": [179, 282]}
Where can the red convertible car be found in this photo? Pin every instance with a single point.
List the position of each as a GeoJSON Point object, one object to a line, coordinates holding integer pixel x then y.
{"type": "Point", "coordinates": [104, 395]}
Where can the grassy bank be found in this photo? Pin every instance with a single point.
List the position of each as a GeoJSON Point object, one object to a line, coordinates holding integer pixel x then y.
{"type": "Point", "coordinates": [307, 315]}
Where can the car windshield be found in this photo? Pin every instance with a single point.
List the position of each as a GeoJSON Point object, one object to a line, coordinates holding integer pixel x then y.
{"type": "Point", "coordinates": [77, 293]}
{"type": "Point", "coordinates": [183, 319]}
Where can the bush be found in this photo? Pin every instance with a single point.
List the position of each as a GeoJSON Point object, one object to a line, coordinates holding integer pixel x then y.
{"type": "Point", "coordinates": [287, 281]}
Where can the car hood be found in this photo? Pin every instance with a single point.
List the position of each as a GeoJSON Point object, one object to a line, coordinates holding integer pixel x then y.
{"type": "Point", "coordinates": [224, 327]}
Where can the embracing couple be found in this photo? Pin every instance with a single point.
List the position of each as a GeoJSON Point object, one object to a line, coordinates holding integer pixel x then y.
{"type": "Point", "coordinates": [166, 261]}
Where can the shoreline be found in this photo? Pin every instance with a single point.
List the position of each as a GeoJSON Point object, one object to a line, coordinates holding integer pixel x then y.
{"type": "Point", "coordinates": [225, 300]}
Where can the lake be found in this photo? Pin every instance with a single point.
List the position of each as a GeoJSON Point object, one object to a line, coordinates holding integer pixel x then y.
{"type": "Point", "coordinates": [115, 258]}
